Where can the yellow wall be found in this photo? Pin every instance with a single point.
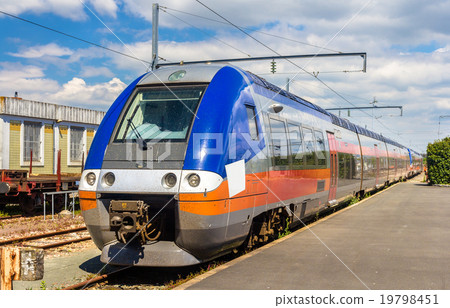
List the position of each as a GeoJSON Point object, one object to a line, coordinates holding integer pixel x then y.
{"type": "Point", "coordinates": [89, 138]}
{"type": "Point", "coordinates": [49, 160]}
{"type": "Point", "coordinates": [48, 150]}
{"type": "Point", "coordinates": [14, 145]}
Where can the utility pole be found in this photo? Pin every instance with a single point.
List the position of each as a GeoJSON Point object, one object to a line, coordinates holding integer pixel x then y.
{"type": "Point", "coordinates": [155, 21]}
{"type": "Point", "coordinates": [439, 127]}
{"type": "Point", "coordinates": [373, 104]}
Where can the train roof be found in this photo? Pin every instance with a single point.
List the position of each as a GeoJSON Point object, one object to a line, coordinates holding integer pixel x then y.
{"type": "Point", "coordinates": [206, 72]}
{"type": "Point", "coordinates": [192, 73]}
{"type": "Point", "coordinates": [344, 123]}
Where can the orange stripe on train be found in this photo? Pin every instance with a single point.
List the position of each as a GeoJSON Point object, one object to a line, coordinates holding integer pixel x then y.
{"type": "Point", "coordinates": [283, 184]}
{"type": "Point", "coordinates": [87, 200]}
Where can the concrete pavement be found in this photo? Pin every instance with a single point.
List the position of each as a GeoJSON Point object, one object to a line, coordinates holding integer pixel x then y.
{"type": "Point", "coordinates": [397, 239]}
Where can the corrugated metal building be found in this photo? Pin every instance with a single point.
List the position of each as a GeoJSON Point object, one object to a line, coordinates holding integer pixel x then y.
{"type": "Point", "coordinates": [39, 130]}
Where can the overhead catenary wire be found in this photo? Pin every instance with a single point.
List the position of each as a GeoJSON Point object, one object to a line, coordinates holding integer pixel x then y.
{"type": "Point", "coordinates": [257, 31]}
{"type": "Point", "coordinates": [76, 38]}
{"type": "Point", "coordinates": [309, 73]}
{"type": "Point", "coordinates": [212, 36]}
{"type": "Point", "coordinates": [277, 53]}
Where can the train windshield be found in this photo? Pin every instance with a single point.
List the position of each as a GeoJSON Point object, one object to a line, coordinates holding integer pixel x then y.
{"type": "Point", "coordinates": [160, 114]}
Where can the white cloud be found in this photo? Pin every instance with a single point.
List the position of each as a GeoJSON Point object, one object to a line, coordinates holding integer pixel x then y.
{"type": "Point", "coordinates": [104, 7]}
{"type": "Point", "coordinates": [39, 51]}
{"type": "Point", "coordinates": [93, 71]}
{"type": "Point", "coordinates": [30, 83]}
{"type": "Point", "coordinates": [77, 93]}
{"type": "Point", "coordinates": [26, 80]}
{"type": "Point", "coordinates": [72, 9]}
{"type": "Point", "coordinates": [66, 8]}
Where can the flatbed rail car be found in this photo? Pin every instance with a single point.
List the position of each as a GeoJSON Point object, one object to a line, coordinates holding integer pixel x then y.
{"type": "Point", "coordinates": [20, 187]}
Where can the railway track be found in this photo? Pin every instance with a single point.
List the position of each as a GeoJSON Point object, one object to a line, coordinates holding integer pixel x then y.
{"type": "Point", "coordinates": [10, 217]}
{"type": "Point", "coordinates": [28, 240]}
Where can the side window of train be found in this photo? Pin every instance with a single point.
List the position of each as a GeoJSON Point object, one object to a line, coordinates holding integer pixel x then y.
{"type": "Point", "coordinates": [279, 143]}
{"type": "Point", "coordinates": [253, 127]}
{"type": "Point", "coordinates": [310, 152]}
{"type": "Point", "coordinates": [320, 148]}
{"type": "Point", "coordinates": [296, 141]}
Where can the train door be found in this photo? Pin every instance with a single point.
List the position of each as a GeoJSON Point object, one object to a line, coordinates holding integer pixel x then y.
{"type": "Point", "coordinates": [333, 166]}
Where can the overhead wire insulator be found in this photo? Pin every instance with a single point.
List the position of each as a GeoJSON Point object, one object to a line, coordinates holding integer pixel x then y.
{"type": "Point", "coordinates": [273, 66]}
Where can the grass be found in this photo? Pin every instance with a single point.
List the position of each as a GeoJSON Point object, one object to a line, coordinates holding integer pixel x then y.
{"type": "Point", "coordinates": [10, 210]}
{"type": "Point", "coordinates": [286, 230]}
{"type": "Point", "coordinates": [212, 265]}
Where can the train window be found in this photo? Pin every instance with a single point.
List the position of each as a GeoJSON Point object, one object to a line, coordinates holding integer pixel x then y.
{"type": "Point", "coordinates": [160, 114]}
{"type": "Point", "coordinates": [296, 141]}
{"type": "Point", "coordinates": [279, 143]}
{"type": "Point", "coordinates": [253, 127]}
{"type": "Point", "coordinates": [310, 152]}
{"type": "Point", "coordinates": [32, 140]}
{"type": "Point", "coordinates": [320, 148]}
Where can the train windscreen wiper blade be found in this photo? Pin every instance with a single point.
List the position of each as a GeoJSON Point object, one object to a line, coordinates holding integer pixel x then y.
{"type": "Point", "coordinates": [140, 141]}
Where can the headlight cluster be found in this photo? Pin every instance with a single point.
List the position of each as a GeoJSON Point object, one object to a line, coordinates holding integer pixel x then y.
{"type": "Point", "coordinates": [170, 180]}
{"type": "Point", "coordinates": [108, 179]}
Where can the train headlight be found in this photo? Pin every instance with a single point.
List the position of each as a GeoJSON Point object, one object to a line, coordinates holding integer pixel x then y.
{"type": "Point", "coordinates": [109, 178]}
{"type": "Point", "coordinates": [90, 178]}
{"type": "Point", "coordinates": [194, 180]}
{"type": "Point", "coordinates": [170, 180]}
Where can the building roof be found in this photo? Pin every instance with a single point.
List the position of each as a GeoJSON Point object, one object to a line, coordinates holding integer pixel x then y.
{"type": "Point", "coordinates": [25, 108]}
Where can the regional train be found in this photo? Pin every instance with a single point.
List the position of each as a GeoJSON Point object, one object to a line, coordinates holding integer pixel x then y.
{"type": "Point", "coordinates": [192, 162]}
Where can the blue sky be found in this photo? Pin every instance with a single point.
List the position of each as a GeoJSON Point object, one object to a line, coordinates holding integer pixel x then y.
{"type": "Point", "coordinates": [407, 42]}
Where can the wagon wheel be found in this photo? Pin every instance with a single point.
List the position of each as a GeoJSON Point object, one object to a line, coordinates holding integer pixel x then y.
{"type": "Point", "coordinates": [26, 204]}
{"type": "Point", "coordinates": [59, 203]}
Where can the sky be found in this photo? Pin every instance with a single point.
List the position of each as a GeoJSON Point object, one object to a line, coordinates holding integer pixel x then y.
{"type": "Point", "coordinates": [407, 44]}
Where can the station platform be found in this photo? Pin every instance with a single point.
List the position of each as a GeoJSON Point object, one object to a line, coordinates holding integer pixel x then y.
{"type": "Point", "coordinates": [398, 239]}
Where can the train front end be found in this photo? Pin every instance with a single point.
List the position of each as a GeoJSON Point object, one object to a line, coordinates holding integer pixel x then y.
{"type": "Point", "coordinates": [143, 159]}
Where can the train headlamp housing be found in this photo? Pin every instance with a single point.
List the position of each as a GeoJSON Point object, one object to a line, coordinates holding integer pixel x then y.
{"type": "Point", "coordinates": [177, 75]}
{"type": "Point", "coordinates": [109, 178]}
{"type": "Point", "coordinates": [169, 180]}
{"type": "Point", "coordinates": [194, 180]}
{"type": "Point", "coordinates": [90, 178]}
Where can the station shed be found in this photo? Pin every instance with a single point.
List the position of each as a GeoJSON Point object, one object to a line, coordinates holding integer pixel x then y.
{"type": "Point", "coordinates": [43, 147]}
{"type": "Point", "coordinates": [33, 132]}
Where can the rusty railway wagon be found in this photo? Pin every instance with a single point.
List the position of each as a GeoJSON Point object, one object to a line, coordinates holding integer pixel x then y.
{"type": "Point", "coordinates": [19, 187]}
{"type": "Point", "coordinates": [192, 162]}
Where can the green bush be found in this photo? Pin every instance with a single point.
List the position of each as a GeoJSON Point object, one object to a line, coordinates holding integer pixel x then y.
{"type": "Point", "coordinates": [438, 161]}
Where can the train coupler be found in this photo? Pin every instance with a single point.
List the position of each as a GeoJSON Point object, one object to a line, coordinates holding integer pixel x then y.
{"type": "Point", "coordinates": [128, 218]}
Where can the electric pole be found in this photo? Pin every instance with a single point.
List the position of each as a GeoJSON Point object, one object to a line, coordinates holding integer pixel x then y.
{"type": "Point", "coordinates": [155, 17]}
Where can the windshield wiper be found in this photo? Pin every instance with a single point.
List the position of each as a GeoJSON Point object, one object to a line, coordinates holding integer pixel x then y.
{"type": "Point", "coordinates": [140, 141]}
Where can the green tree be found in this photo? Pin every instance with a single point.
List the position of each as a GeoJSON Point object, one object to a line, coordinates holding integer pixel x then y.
{"type": "Point", "coordinates": [438, 161]}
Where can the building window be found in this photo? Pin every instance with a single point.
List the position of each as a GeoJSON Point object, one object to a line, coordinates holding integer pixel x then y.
{"type": "Point", "coordinates": [31, 141]}
{"type": "Point", "coordinates": [76, 144]}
